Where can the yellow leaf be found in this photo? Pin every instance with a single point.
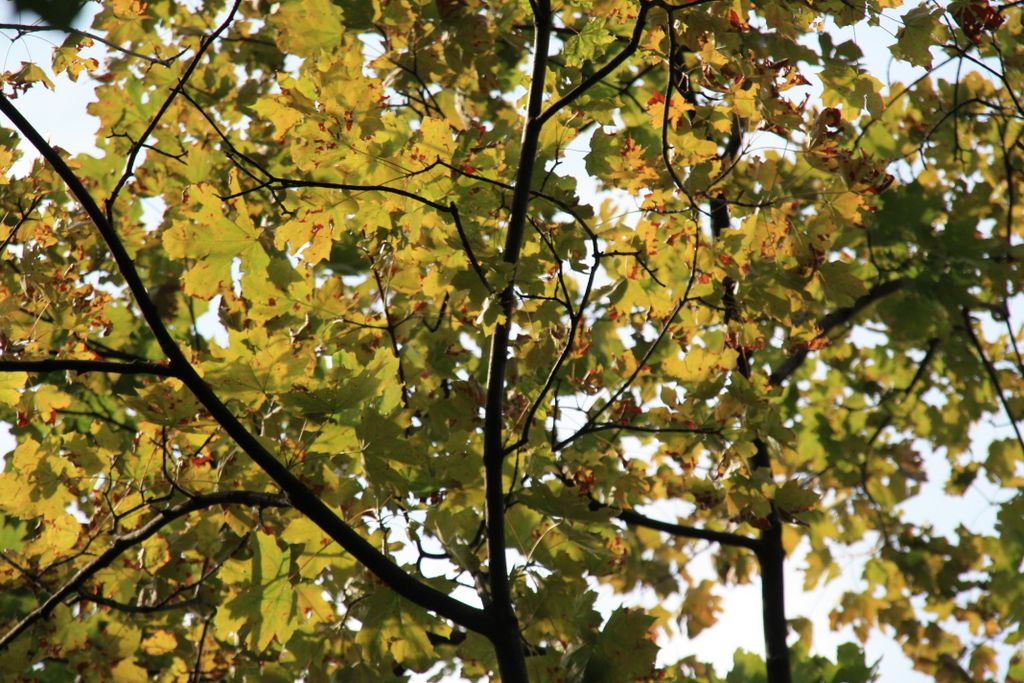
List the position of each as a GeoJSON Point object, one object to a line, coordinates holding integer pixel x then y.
{"type": "Point", "coordinates": [848, 205]}
{"type": "Point", "coordinates": [700, 364]}
{"type": "Point", "coordinates": [437, 137]}
{"type": "Point", "coordinates": [311, 603]}
{"type": "Point", "coordinates": [302, 530]}
{"type": "Point", "coordinates": [310, 234]}
{"type": "Point", "coordinates": [159, 643]}
{"type": "Point", "coordinates": [10, 386]}
{"type": "Point", "coordinates": [49, 400]}
{"type": "Point", "coordinates": [127, 671]}
{"type": "Point", "coordinates": [271, 569]}
{"type": "Point", "coordinates": [282, 116]}
{"type": "Point", "coordinates": [306, 27]}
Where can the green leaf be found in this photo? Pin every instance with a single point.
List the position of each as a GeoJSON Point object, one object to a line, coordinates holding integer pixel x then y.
{"type": "Point", "coordinates": [839, 283]}
{"type": "Point", "coordinates": [60, 13]}
{"type": "Point", "coordinates": [306, 27]}
{"type": "Point", "coordinates": [581, 47]}
{"type": "Point", "coordinates": [268, 604]}
{"type": "Point", "coordinates": [914, 38]}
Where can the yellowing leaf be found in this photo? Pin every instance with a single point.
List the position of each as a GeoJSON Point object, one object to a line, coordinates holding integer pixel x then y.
{"type": "Point", "coordinates": [274, 593]}
{"type": "Point", "coordinates": [49, 400]}
{"type": "Point", "coordinates": [127, 671]}
{"type": "Point", "coordinates": [848, 205]}
{"type": "Point", "coordinates": [281, 115]}
{"type": "Point", "coordinates": [28, 74]}
{"type": "Point", "coordinates": [310, 234]}
{"type": "Point", "coordinates": [10, 386]}
{"type": "Point", "coordinates": [305, 27]}
{"type": "Point", "coordinates": [215, 240]}
{"type": "Point", "coordinates": [311, 603]}
{"type": "Point", "coordinates": [159, 643]}
{"type": "Point", "coordinates": [700, 364]}
{"type": "Point", "coordinates": [437, 137]}
{"type": "Point", "coordinates": [302, 531]}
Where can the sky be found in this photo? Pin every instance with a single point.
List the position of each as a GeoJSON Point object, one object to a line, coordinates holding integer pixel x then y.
{"type": "Point", "coordinates": [60, 116]}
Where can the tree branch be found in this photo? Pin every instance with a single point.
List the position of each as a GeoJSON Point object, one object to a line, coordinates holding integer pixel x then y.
{"type": "Point", "coordinates": [133, 538]}
{"type": "Point", "coordinates": [23, 29]}
{"type": "Point", "coordinates": [507, 638]}
{"type": "Point", "coordinates": [300, 495]}
{"type": "Point", "coordinates": [129, 168]}
{"type": "Point", "coordinates": [85, 596]}
{"type": "Point", "coordinates": [600, 74]}
{"type": "Point", "coordinates": [293, 183]}
{"type": "Point", "coordinates": [834, 319]}
{"type": "Point", "coordinates": [74, 365]}
{"type": "Point", "coordinates": [722, 537]}
{"type": "Point", "coordinates": [992, 375]}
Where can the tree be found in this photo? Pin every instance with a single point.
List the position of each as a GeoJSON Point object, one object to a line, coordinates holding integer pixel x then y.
{"type": "Point", "coordinates": [454, 390]}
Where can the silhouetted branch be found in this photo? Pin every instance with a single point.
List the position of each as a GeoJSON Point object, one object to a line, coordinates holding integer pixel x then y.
{"type": "Point", "coordinates": [133, 538]}
{"type": "Point", "coordinates": [834, 319]}
{"type": "Point", "coordinates": [300, 495]}
{"type": "Point", "coordinates": [75, 365]}
{"type": "Point", "coordinates": [992, 375]}
{"type": "Point", "coordinates": [722, 537]}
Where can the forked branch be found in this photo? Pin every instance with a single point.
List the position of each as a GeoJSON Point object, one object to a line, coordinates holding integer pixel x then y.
{"type": "Point", "coordinates": [133, 538]}
{"type": "Point", "coordinates": [298, 493]}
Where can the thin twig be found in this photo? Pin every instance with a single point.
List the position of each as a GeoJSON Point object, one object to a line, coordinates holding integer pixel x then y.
{"type": "Point", "coordinates": [129, 169]}
{"type": "Point", "coordinates": [992, 375]}
{"type": "Point", "coordinates": [40, 28]}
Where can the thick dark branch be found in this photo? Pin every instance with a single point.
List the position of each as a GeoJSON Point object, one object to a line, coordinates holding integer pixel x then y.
{"type": "Point", "coordinates": [604, 71]}
{"type": "Point", "coordinates": [507, 638]}
{"type": "Point", "coordinates": [838, 317]}
{"type": "Point", "coordinates": [71, 365]}
{"type": "Point", "coordinates": [132, 539]}
{"type": "Point", "coordinates": [301, 496]}
{"type": "Point", "coordinates": [722, 537]}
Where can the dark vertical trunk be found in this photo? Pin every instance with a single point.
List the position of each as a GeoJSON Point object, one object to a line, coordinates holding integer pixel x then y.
{"type": "Point", "coordinates": [506, 638]}
{"type": "Point", "coordinates": [773, 599]}
{"type": "Point", "coordinates": [770, 554]}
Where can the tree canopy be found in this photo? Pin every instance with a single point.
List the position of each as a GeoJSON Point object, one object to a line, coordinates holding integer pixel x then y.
{"type": "Point", "coordinates": [379, 335]}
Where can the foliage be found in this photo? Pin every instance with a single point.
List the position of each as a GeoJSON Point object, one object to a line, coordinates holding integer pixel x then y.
{"type": "Point", "coordinates": [456, 389]}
